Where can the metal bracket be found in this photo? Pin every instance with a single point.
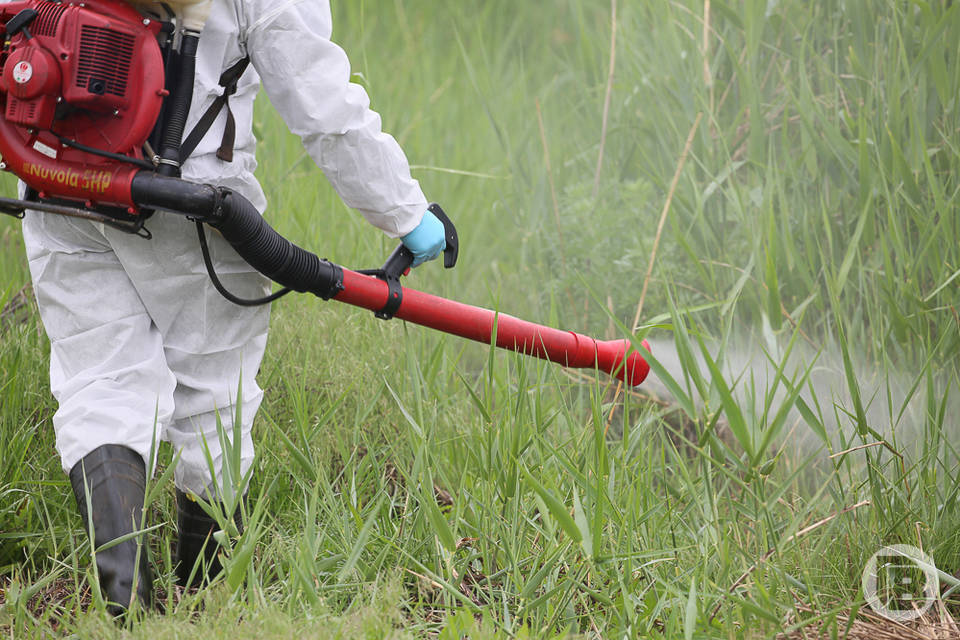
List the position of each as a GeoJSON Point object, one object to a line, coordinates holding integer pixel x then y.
{"type": "Point", "coordinates": [17, 208]}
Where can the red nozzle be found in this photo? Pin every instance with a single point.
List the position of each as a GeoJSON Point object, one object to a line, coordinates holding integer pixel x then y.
{"type": "Point", "coordinates": [610, 355]}
{"type": "Point", "coordinates": [567, 348]}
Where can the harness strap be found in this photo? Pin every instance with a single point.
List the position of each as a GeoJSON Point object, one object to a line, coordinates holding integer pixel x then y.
{"type": "Point", "coordinates": [228, 80]}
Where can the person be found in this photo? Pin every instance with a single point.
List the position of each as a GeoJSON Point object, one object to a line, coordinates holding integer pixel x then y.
{"type": "Point", "coordinates": [143, 347]}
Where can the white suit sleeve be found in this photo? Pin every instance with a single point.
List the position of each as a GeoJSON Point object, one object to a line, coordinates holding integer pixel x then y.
{"type": "Point", "coordinates": [307, 78]}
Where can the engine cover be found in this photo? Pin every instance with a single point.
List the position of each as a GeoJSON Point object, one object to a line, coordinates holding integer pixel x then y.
{"type": "Point", "coordinates": [90, 72]}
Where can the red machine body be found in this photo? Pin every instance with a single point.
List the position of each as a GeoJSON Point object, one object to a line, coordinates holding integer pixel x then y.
{"type": "Point", "coordinates": [90, 73]}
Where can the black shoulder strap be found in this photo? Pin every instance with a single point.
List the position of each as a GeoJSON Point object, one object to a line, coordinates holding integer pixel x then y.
{"type": "Point", "coordinates": [228, 80]}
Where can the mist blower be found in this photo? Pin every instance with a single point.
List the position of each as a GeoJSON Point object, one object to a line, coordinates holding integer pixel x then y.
{"type": "Point", "coordinates": [95, 98]}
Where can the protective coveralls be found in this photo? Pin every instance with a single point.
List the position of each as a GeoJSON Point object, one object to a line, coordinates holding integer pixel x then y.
{"type": "Point", "coordinates": [142, 345]}
{"type": "Point", "coordinates": [138, 333]}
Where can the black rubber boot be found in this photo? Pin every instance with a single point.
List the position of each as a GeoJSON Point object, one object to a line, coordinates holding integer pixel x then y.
{"type": "Point", "coordinates": [115, 478]}
{"type": "Point", "coordinates": [195, 531]}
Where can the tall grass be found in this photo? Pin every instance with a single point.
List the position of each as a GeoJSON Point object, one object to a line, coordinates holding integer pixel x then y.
{"type": "Point", "coordinates": [411, 484]}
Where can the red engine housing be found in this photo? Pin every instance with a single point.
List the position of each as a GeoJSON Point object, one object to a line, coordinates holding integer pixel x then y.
{"type": "Point", "coordinates": [89, 72]}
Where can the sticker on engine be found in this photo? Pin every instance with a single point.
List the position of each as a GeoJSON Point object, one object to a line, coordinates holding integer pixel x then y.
{"type": "Point", "coordinates": [22, 72]}
{"type": "Point", "coordinates": [50, 152]}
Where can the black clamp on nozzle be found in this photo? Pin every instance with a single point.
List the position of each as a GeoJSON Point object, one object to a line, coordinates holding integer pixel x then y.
{"type": "Point", "coordinates": [397, 264]}
{"type": "Point", "coordinates": [400, 261]}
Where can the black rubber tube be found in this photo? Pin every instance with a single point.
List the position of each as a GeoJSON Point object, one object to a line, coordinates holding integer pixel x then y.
{"type": "Point", "coordinates": [239, 222]}
{"type": "Point", "coordinates": [180, 100]}
{"type": "Point", "coordinates": [154, 191]}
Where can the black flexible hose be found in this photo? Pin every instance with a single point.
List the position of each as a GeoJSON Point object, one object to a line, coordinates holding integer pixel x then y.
{"type": "Point", "coordinates": [241, 224]}
{"type": "Point", "coordinates": [180, 100]}
{"type": "Point", "coordinates": [270, 253]}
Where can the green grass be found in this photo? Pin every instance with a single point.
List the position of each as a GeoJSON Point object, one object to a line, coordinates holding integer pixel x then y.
{"type": "Point", "coordinates": [411, 484]}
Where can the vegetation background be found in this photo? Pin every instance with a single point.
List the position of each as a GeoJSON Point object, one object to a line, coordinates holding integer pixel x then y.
{"type": "Point", "coordinates": [767, 190]}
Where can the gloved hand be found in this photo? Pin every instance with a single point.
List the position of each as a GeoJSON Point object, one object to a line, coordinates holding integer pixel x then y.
{"type": "Point", "coordinates": [427, 239]}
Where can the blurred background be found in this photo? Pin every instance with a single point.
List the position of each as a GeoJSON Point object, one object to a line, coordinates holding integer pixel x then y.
{"type": "Point", "coordinates": [766, 190]}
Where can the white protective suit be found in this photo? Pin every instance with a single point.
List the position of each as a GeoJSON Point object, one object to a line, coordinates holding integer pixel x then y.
{"type": "Point", "coordinates": [142, 345]}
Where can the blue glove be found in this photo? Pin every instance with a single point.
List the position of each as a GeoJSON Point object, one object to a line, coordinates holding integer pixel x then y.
{"type": "Point", "coordinates": [427, 239]}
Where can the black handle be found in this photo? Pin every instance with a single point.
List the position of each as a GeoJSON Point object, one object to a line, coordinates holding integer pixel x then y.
{"type": "Point", "coordinates": [452, 250]}
{"type": "Point", "coordinates": [19, 23]}
{"type": "Point", "coordinates": [402, 258]}
{"type": "Point", "coordinates": [398, 263]}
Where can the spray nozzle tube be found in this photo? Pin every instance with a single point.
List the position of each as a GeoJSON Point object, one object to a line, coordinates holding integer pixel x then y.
{"type": "Point", "coordinates": [262, 247]}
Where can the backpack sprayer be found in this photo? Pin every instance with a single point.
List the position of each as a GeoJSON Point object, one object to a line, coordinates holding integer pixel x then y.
{"type": "Point", "coordinates": [95, 99]}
